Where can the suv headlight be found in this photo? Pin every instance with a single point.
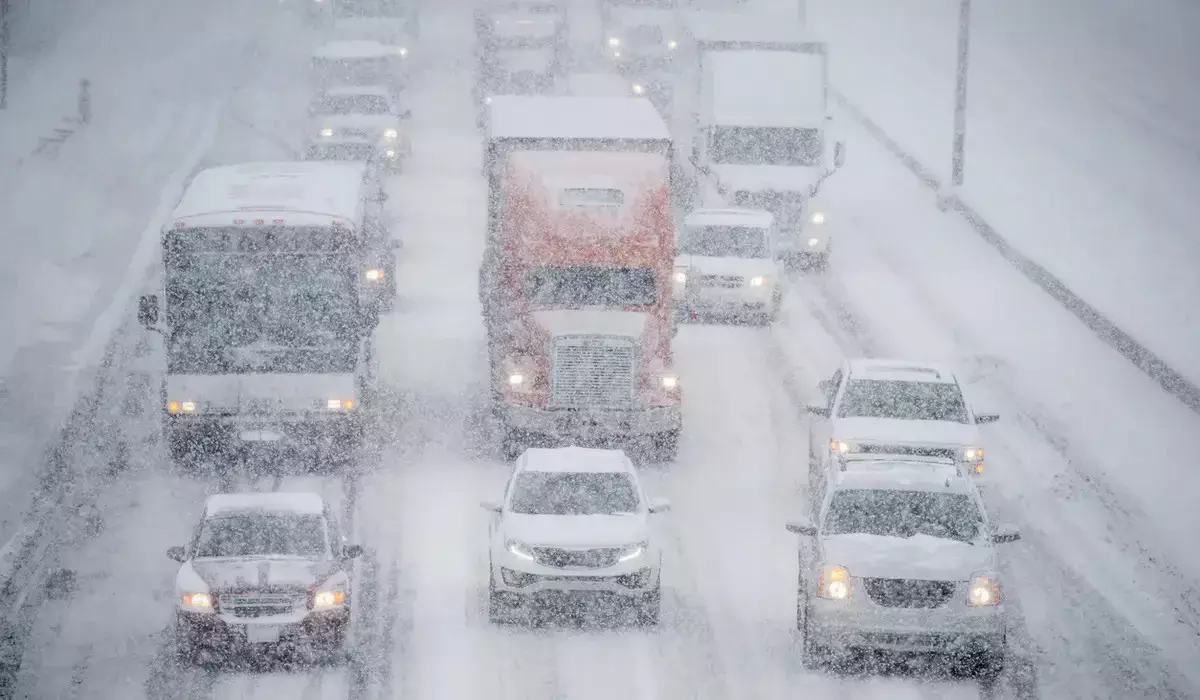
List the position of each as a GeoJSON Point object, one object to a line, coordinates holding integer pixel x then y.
{"type": "Point", "coordinates": [519, 549]}
{"type": "Point", "coordinates": [672, 45]}
{"type": "Point", "coordinates": [841, 447]}
{"type": "Point", "coordinates": [614, 42]}
{"type": "Point", "coordinates": [196, 602]}
{"type": "Point", "coordinates": [834, 583]}
{"type": "Point", "coordinates": [326, 132]}
{"type": "Point", "coordinates": [391, 134]}
{"type": "Point", "coordinates": [633, 551]}
{"type": "Point", "coordinates": [984, 590]}
{"type": "Point", "coordinates": [175, 407]}
{"type": "Point", "coordinates": [817, 217]}
{"type": "Point", "coordinates": [324, 600]}
{"type": "Point", "coordinates": [339, 404]}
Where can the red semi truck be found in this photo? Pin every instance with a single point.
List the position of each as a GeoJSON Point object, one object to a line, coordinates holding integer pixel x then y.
{"type": "Point", "coordinates": [576, 278]}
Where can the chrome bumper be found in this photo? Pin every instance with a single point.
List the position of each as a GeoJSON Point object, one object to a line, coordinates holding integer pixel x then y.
{"type": "Point", "coordinates": [958, 630]}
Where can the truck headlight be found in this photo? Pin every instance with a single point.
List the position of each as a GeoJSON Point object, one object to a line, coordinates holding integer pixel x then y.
{"type": "Point", "coordinates": [972, 454]}
{"type": "Point", "coordinates": [669, 381]}
{"type": "Point", "coordinates": [323, 600]}
{"type": "Point", "coordinates": [391, 134]}
{"type": "Point", "coordinates": [814, 242]}
{"type": "Point", "coordinates": [984, 590]}
{"type": "Point", "coordinates": [638, 89]}
{"type": "Point", "coordinates": [633, 551]}
{"type": "Point", "coordinates": [614, 42]}
{"type": "Point", "coordinates": [672, 45]}
{"type": "Point", "coordinates": [196, 601]}
{"type": "Point", "coordinates": [818, 217]}
{"type": "Point", "coordinates": [326, 132]}
{"type": "Point", "coordinates": [516, 379]}
{"type": "Point", "coordinates": [840, 447]}
{"type": "Point", "coordinates": [374, 275]}
{"type": "Point", "coordinates": [519, 549]}
{"type": "Point", "coordinates": [390, 153]}
{"type": "Point", "coordinates": [680, 277]}
{"type": "Point", "coordinates": [834, 583]}
{"type": "Point", "coordinates": [758, 281]}
{"type": "Point", "coordinates": [174, 407]}
{"type": "Point", "coordinates": [339, 404]}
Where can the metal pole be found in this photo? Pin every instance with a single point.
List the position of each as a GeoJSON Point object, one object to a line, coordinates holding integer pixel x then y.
{"type": "Point", "coordinates": [960, 93]}
{"type": "Point", "coordinates": [3, 54]}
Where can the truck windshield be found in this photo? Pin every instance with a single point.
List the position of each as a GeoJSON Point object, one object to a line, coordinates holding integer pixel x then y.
{"type": "Point", "coordinates": [572, 287]}
{"type": "Point", "coordinates": [877, 398]}
{"type": "Point", "coordinates": [724, 242]}
{"type": "Point", "coordinates": [254, 313]}
{"type": "Point", "coordinates": [745, 145]}
{"type": "Point", "coordinates": [896, 513]}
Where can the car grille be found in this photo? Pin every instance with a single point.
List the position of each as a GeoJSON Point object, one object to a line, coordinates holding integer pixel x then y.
{"type": "Point", "coordinates": [592, 371]}
{"type": "Point", "coordinates": [726, 281]}
{"type": "Point", "coordinates": [905, 593]}
{"type": "Point", "coordinates": [346, 151]}
{"type": "Point", "coordinates": [358, 133]}
{"type": "Point", "coordinates": [645, 36]}
{"type": "Point", "coordinates": [582, 558]}
{"type": "Point", "coordinates": [260, 604]}
{"type": "Point", "coordinates": [913, 450]}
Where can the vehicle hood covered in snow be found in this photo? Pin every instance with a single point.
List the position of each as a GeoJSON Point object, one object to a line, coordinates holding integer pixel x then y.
{"type": "Point", "coordinates": [628, 324]}
{"type": "Point", "coordinates": [920, 557]}
{"type": "Point", "coordinates": [374, 122]}
{"type": "Point", "coordinates": [257, 573]}
{"type": "Point", "coordinates": [742, 267]}
{"type": "Point", "coordinates": [905, 432]}
{"type": "Point", "coordinates": [582, 531]}
{"type": "Point", "coordinates": [260, 393]}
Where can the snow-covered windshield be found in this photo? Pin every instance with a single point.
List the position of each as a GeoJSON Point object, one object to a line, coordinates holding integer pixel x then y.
{"type": "Point", "coordinates": [371, 8]}
{"type": "Point", "coordinates": [901, 400]}
{"type": "Point", "coordinates": [745, 145]}
{"type": "Point", "coordinates": [354, 71]}
{"type": "Point", "coordinates": [895, 513]}
{"type": "Point", "coordinates": [724, 242]}
{"type": "Point", "coordinates": [262, 535]}
{"type": "Point", "coordinates": [352, 104]}
{"type": "Point", "coordinates": [573, 493]}
{"type": "Point", "coordinates": [572, 287]}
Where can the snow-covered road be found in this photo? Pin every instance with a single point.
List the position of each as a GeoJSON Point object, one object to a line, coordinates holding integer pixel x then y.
{"type": "Point", "coordinates": [1102, 576]}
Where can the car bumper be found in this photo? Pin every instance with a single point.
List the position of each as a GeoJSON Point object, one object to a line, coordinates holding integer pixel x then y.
{"type": "Point", "coordinates": [962, 631]}
{"type": "Point", "coordinates": [531, 580]}
{"type": "Point", "coordinates": [575, 423]}
{"type": "Point", "coordinates": [214, 631]}
{"type": "Point", "coordinates": [733, 302]}
{"type": "Point", "coordinates": [282, 432]}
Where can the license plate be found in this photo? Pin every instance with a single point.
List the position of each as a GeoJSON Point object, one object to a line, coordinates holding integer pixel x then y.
{"type": "Point", "coordinates": [262, 634]}
{"type": "Point", "coordinates": [260, 436]}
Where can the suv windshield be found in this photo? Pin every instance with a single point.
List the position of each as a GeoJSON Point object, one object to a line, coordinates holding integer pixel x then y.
{"type": "Point", "coordinates": [724, 242]}
{"type": "Point", "coordinates": [262, 535]}
{"type": "Point", "coordinates": [569, 287]}
{"type": "Point", "coordinates": [573, 493]}
{"type": "Point", "coordinates": [887, 513]}
{"type": "Point", "coordinates": [876, 398]}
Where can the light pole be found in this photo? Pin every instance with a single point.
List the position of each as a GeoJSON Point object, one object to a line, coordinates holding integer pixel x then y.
{"type": "Point", "coordinates": [3, 54]}
{"type": "Point", "coordinates": [960, 93]}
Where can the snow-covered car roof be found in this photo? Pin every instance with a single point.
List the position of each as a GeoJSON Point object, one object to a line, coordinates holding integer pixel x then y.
{"type": "Point", "coordinates": [798, 101]}
{"type": "Point", "coordinates": [900, 371]}
{"type": "Point", "coordinates": [357, 48]}
{"type": "Point", "coordinates": [756, 218]}
{"type": "Point", "coordinates": [358, 91]}
{"type": "Point", "coordinates": [566, 118]}
{"type": "Point", "coordinates": [291, 503]}
{"type": "Point", "coordinates": [898, 474]}
{"type": "Point", "coordinates": [332, 189]}
{"type": "Point", "coordinates": [575, 459]}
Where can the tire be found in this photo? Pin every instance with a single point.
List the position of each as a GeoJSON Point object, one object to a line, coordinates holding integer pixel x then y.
{"type": "Point", "coordinates": [666, 446]}
{"type": "Point", "coordinates": [649, 607]}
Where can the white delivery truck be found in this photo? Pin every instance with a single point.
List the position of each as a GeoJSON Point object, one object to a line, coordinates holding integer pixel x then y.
{"type": "Point", "coordinates": [758, 114]}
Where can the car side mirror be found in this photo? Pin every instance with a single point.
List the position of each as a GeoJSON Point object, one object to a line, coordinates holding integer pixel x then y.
{"type": "Point", "coordinates": [1006, 533]}
{"type": "Point", "coordinates": [818, 409]}
{"type": "Point", "coordinates": [801, 526]}
{"type": "Point", "coordinates": [659, 505]}
{"type": "Point", "coordinates": [178, 554]}
{"type": "Point", "coordinates": [490, 506]}
{"type": "Point", "coordinates": [148, 311]}
{"type": "Point", "coordinates": [981, 418]}
{"type": "Point", "coordinates": [839, 154]}
{"type": "Point", "coordinates": [352, 551]}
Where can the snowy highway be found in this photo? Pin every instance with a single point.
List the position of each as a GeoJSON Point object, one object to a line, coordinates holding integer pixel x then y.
{"type": "Point", "coordinates": [1083, 460]}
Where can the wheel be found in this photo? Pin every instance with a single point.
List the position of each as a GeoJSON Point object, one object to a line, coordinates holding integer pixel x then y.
{"type": "Point", "coordinates": [649, 607]}
{"type": "Point", "coordinates": [666, 445]}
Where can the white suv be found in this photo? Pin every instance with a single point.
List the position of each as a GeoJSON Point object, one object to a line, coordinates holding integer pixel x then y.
{"type": "Point", "coordinates": [574, 522]}
{"type": "Point", "coordinates": [902, 558]}
{"type": "Point", "coordinates": [894, 407]}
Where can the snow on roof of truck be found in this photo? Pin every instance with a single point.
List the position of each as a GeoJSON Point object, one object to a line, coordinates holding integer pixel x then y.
{"type": "Point", "coordinates": [562, 171]}
{"type": "Point", "coordinates": [290, 503]}
{"type": "Point", "coordinates": [356, 48]}
{"type": "Point", "coordinates": [756, 218]}
{"type": "Point", "coordinates": [900, 474]}
{"type": "Point", "coordinates": [328, 188]}
{"type": "Point", "coordinates": [707, 26]}
{"type": "Point", "coordinates": [788, 89]}
{"type": "Point", "coordinates": [566, 118]}
{"type": "Point", "coordinates": [575, 459]}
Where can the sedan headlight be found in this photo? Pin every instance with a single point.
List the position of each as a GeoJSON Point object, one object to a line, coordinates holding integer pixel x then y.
{"type": "Point", "coordinates": [614, 42]}
{"type": "Point", "coordinates": [984, 590]}
{"type": "Point", "coordinates": [818, 217]}
{"type": "Point", "coordinates": [633, 551]}
{"type": "Point", "coordinates": [339, 404]}
{"type": "Point", "coordinates": [834, 583]}
{"type": "Point", "coordinates": [323, 600]}
{"type": "Point", "coordinates": [972, 454]}
{"type": "Point", "coordinates": [326, 132]}
{"type": "Point", "coordinates": [201, 602]}
{"type": "Point", "coordinates": [391, 134]}
{"type": "Point", "coordinates": [519, 549]}
{"type": "Point", "coordinates": [175, 407]}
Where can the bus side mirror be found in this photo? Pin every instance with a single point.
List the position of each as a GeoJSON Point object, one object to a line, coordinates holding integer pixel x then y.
{"type": "Point", "coordinates": [148, 311]}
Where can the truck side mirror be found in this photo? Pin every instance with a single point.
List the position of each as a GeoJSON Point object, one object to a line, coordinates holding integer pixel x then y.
{"type": "Point", "coordinates": [839, 154]}
{"type": "Point", "coordinates": [148, 311]}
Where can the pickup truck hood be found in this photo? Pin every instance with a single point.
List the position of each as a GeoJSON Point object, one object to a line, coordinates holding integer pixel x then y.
{"type": "Point", "coordinates": [920, 557]}
{"type": "Point", "coordinates": [376, 122]}
{"type": "Point", "coordinates": [629, 324]}
{"type": "Point", "coordinates": [233, 574]}
{"type": "Point", "coordinates": [741, 267]}
{"type": "Point", "coordinates": [237, 393]}
{"type": "Point", "coordinates": [760, 178]}
{"type": "Point", "coordinates": [582, 531]}
{"type": "Point", "coordinates": [905, 432]}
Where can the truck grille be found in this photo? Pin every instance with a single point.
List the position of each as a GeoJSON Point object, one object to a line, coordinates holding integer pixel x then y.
{"type": "Point", "coordinates": [259, 604]}
{"type": "Point", "coordinates": [912, 450]}
{"type": "Point", "coordinates": [905, 593]}
{"type": "Point", "coordinates": [356, 132]}
{"type": "Point", "coordinates": [726, 281]}
{"type": "Point", "coordinates": [592, 371]}
{"type": "Point", "coordinates": [584, 558]}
